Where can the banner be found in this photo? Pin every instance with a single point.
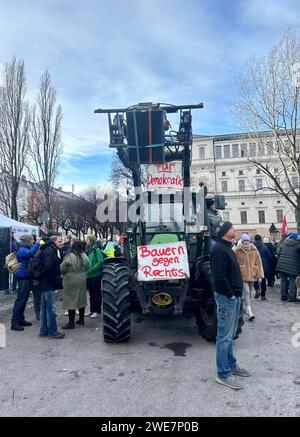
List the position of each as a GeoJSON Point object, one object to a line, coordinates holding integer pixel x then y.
{"type": "Point", "coordinates": [161, 262]}
{"type": "Point", "coordinates": [166, 177]}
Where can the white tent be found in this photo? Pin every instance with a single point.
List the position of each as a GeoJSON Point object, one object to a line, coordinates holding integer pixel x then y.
{"type": "Point", "coordinates": [18, 228]}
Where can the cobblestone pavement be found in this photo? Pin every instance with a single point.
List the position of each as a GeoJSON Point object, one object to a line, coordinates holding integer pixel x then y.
{"type": "Point", "coordinates": [166, 369]}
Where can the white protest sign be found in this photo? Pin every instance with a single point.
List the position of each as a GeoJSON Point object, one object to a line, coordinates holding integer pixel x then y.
{"type": "Point", "coordinates": [161, 262]}
{"type": "Point", "coordinates": [166, 177]}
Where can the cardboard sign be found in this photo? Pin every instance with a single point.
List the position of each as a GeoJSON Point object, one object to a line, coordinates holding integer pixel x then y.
{"type": "Point", "coordinates": [166, 177]}
{"type": "Point", "coordinates": [162, 262]}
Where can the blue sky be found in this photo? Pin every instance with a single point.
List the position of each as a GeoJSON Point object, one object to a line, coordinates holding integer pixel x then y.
{"type": "Point", "coordinates": [112, 53]}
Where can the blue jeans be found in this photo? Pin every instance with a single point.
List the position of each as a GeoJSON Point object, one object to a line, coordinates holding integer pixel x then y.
{"type": "Point", "coordinates": [21, 301]}
{"type": "Point", "coordinates": [48, 324]}
{"type": "Point", "coordinates": [228, 319]}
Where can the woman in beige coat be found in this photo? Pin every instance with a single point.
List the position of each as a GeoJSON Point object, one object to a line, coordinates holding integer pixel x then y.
{"type": "Point", "coordinates": [73, 268]}
{"type": "Point", "coordinates": [251, 268]}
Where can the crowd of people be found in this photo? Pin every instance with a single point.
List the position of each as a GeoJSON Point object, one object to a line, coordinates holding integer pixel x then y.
{"type": "Point", "coordinates": [47, 265]}
{"type": "Point", "coordinates": [238, 267]}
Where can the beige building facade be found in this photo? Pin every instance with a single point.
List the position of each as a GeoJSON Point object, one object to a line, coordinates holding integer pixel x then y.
{"type": "Point", "coordinates": [222, 163]}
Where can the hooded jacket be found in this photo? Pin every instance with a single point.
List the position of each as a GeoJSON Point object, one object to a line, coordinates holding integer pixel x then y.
{"type": "Point", "coordinates": [250, 263]}
{"type": "Point", "coordinates": [51, 278]}
{"type": "Point", "coordinates": [289, 259]}
{"type": "Point", "coordinates": [24, 255]}
{"type": "Point", "coordinates": [265, 256]}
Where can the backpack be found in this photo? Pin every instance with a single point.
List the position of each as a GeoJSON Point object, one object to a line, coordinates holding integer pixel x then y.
{"type": "Point", "coordinates": [11, 263]}
{"type": "Point", "coordinates": [35, 267]}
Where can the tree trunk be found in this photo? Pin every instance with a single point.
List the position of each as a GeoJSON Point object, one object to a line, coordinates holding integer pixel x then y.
{"type": "Point", "coordinates": [297, 218]}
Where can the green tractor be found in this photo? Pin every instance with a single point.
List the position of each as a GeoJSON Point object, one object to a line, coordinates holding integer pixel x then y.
{"type": "Point", "coordinates": [165, 263]}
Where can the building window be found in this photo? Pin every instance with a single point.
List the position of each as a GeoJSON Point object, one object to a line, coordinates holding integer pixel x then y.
{"type": "Point", "coordinates": [201, 152]}
{"type": "Point", "coordinates": [279, 215]}
{"type": "Point", "coordinates": [297, 146]}
{"type": "Point", "coordinates": [295, 182]}
{"type": "Point", "coordinates": [242, 185]}
{"type": "Point", "coordinates": [252, 147]}
{"type": "Point", "coordinates": [244, 219]}
{"type": "Point", "coordinates": [244, 149]}
{"type": "Point", "coordinates": [270, 149]}
{"type": "Point", "coordinates": [223, 173]}
{"type": "Point", "coordinates": [235, 150]}
{"type": "Point", "coordinates": [227, 151]}
{"type": "Point", "coordinates": [242, 203]}
{"type": "Point", "coordinates": [261, 149]}
{"type": "Point", "coordinates": [259, 184]}
{"type": "Point", "coordinates": [218, 150]}
{"type": "Point", "coordinates": [261, 217]}
{"type": "Point", "coordinates": [226, 216]}
{"type": "Point", "coordinates": [224, 186]}
{"type": "Point", "coordinates": [241, 172]}
{"type": "Point", "coordinates": [258, 171]}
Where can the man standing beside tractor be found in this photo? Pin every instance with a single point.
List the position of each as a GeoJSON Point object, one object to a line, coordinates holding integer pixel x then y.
{"type": "Point", "coordinates": [228, 288]}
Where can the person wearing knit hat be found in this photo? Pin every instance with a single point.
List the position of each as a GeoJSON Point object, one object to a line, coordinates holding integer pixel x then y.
{"type": "Point", "coordinates": [228, 289]}
{"type": "Point", "coordinates": [251, 269]}
{"type": "Point", "coordinates": [289, 267]}
{"type": "Point", "coordinates": [93, 275]}
{"type": "Point", "coordinates": [25, 253]}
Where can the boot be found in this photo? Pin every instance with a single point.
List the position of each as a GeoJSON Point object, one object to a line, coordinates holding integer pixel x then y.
{"type": "Point", "coordinates": [249, 313]}
{"type": "Point", "coordinates": [71, 323]}
{"type": "Point", "coordinates": [80, 321]}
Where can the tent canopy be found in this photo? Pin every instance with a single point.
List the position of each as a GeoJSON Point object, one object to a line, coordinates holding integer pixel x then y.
{"type": "Point", "coordinates": [18, 228]}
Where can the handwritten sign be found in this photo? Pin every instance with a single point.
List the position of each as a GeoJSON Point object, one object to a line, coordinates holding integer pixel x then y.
{"type": "Point", "coordinates": [162, 262]}
{"type": "Point", "coordinates": [166, 177]}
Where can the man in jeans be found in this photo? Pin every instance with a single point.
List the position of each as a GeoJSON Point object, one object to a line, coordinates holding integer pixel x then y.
{"type": "Point", "coordinates": [228, 287]}
{"type": "Point", "coordinates": [50, 281]}
{"type": "Point", "coordinates": [25, 253]}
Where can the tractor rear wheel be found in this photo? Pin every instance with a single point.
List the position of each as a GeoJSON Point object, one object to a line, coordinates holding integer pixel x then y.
{"type": "Point", "coordinates": [115, 302]}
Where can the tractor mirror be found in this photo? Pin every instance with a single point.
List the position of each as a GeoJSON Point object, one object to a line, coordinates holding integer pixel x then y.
{"type": "Point", "coordinates": [220, 201]}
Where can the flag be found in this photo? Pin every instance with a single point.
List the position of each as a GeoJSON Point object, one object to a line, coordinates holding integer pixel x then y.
{"type": "Point", "coordinates": [284, 229]}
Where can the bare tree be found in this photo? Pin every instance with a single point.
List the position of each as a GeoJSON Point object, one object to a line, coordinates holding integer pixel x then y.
{"type": "Point", "coordinates": [268, 101]}
{"type": "Point", "coordinates": [126, 174]}
{"type": "Point", "coordinates": [46, 144]}
{"type": "Point", "coordinates": [14, 134]}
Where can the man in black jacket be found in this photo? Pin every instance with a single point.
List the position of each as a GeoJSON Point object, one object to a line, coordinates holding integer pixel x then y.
{"type": "Point", "coordinates": [51, 258]}
{"type": "Point", "coordinates": [228, 288]}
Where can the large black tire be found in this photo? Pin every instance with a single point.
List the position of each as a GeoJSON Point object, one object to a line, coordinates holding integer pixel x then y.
{"type": "Point", "coordinates": [207, 321]}
{"type": "Point", "coordinates": [206, 318]}
{"type": "Point", "coordinates": [115, 303]}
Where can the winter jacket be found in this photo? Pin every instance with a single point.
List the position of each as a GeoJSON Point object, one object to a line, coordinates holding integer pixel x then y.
{"type": "Point", "coordinates": [289, 259]}
{"type": "Point", "coordinates": [214, 220]}
{"type": "Point", "coordinates": [51, 259]}
{"type": "Point", "coordinates": [74, 281]}
{"type": "Point", "coordinates": [226, 273]}
{"type": "Point", "coordinates": [24, 255]}
{"type": "Point", "coordinates": [96, 259]}
{"type": "Point", "coordinates": [265, 257]}
{"type": "Point", "coordinates": [273, 261]}
{"type": "Point", "coordinates": [250, 263]}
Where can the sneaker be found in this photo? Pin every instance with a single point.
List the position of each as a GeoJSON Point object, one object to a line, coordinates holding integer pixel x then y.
{"type": "Point", "coordinates": [88, 314]}
{"type": "Point", "coordinates": [25, 323]}
{"type": "Point", "coordinates": [251, 318]}
{"type": "Point", "coordinates": [229, 382]}
{"type": "Point", "coordinates": [43, 335]}
{"type": "Point", "coordinates": [57, 336]}
{"type": "Point", "coordinates": [94, 315]}
{"type": "Point", "coordinates": [263, 298]}
{"type": "Point", "coordinates": [77, 312]}
{"type": "Point", "coordinates": [284, 298]}
{"type": "Point", "coordinates": [17, 328]}
{"type": "Point", "coordinates": [240, 372]}
{"type": "Point", "coordinates": [66, 313]}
